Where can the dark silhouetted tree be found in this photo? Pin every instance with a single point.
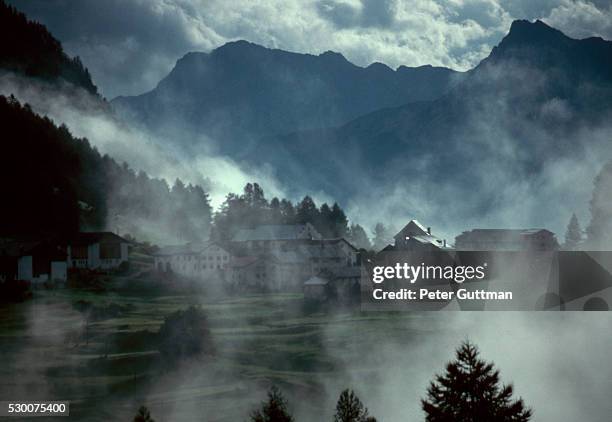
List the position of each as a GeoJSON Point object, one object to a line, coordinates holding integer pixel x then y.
{"type": "Point", "coordinates": [470, 391]}
{"type": "Point", "coordinates": [350, 409]}
{"type": "Point", "coordinates": [274, 409]}
{"type": "Point", "coordinates": [143, 415]}
{"type": "Point", "coordinates": [573, 234]}
{"type": "Point", "coordinates": [339, 221]}
{"type": "Point", "coordinates": [307, 211]}
{"type": "Point", "coordinates": [287, 211]}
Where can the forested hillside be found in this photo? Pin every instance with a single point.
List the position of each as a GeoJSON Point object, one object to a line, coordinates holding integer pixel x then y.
{"type": "Point", "coordinates": [57, 184]}
{"type": "Point", "coordinates": [26, 47]}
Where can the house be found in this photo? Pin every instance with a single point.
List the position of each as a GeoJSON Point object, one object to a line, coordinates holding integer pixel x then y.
{"type": "Point", "coordinates": [97, 250]}
{"type": "Point", "coordinates": [274, 236]}
{"type": "Point", "coordinates": [260, 273]}
{"type": "Point", "coordinates": [323, 254]}
{"type": "Point", "coordinates": [36, 261]}
{"type": "Point", "coordinates": [195, 260]}
{"type": "Point", "coordinates": [415, 237]}
{"type": "Point", "coordinates": [506, 240]}
{"type": "Point", "coordinates": [315, 289]}
{"type": "Point", "coordinates": [341, 285]}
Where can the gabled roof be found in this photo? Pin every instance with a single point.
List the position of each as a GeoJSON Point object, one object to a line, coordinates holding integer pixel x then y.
{"type": "Point", "coordinates": [413, 227]}
{"type": "Point", "coordinates": [19, 248]}
{"type": "Point", "coordinates": [87, 238]}
{"type": "Point", "coordinates": [316, 281]}
{"type": "Point", "coordinates": [433, 240]}
{"type": "Point", "coordinates": [501, 234]}
{"type": "Point", "coordinates": [274, 232]}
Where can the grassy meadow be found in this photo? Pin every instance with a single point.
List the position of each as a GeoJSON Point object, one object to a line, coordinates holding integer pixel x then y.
{"type": "Point", "coordinates": [109, 365]}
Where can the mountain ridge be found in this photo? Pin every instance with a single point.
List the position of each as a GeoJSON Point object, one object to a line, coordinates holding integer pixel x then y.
{"type": "Point", "coordinates": [244, 91]}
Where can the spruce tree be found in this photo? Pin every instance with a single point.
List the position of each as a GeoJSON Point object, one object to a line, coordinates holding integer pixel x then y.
{"type": "Point", "coordinates": [350, 409]}
{"type": "Point", "coordinates": [274, 409]}
{"type": "Point", "coordinates": [573, 235]}
{"type": "Point", "coordinates": [143, 415]}
{"type": "Point", "coordinates": [470, 391]}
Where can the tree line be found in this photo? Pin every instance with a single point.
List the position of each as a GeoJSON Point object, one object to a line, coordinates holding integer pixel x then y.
{"type": "Point", "coordinates": [252, 208]}
{"type": "Point", "coordinates": [469, 390]}
{"type": "Point", "coordinates": [57, 184]}
{"type": "Point", "coordinates": [60, 184]}
{"type": "Point", "coordinates": [28, 48]}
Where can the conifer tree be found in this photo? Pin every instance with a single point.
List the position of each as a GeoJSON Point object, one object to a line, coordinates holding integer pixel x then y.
{"type": "Point", "coordinates": [350, 409]}
{"type": "Point", "coordinates": [143, 415]}
{"type": "Point", "coordinates": [470, 391]}
{"type": "Point", "coordinates": [573, 235]}
{"type": "Point", "coordinates": [274, 409]}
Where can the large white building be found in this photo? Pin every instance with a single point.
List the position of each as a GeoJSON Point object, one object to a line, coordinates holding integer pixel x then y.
{"type": "Point", "coordinates": [205, 260]}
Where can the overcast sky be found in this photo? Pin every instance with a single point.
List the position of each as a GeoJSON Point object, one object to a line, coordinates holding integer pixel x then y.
{"type": "Point", "coordinates": [129, 45]}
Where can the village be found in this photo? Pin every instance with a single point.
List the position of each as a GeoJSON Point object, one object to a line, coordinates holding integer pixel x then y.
{"type": "Point", "coordinates": [265, 258]}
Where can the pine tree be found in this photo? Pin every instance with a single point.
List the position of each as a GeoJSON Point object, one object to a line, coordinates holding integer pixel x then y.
{"type": "Point", "coordinates": [339, 221]}
{"type": "Point", "coordinates": [143, 415]}
{"type": "Point", "coordinates": [307, 211]}
{"type": "Point", "coordinates": [287, 211]}
{"type": "Point", "coordinates": [274, 409]}
{"type": "Point", "coordinates": [573, 235]}
{"type": "Point", "coordinates": [469, 391]}
{"type": "Point", "coordinates": [350, 409]}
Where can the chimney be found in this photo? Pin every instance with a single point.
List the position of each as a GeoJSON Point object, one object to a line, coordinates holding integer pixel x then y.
{"type": "Point", "coordinates": [429, 230]}
{"type": "Point", "coordinates": [445, 243]}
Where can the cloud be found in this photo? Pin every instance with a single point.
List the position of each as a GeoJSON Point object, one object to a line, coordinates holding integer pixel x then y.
{"type": "Point", "coordinates": [129, 45]}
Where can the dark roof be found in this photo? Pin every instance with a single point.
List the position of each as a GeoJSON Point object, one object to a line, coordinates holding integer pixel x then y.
{"type": "Point", "coordinates": [87, 238]}
{"type": "Point", "coordinates": [273, 232]}
{"type": "Point", "coordinates": [501, 234]}
{"type": "Point", "coordinates": [316, 281]}
{"type": "Point", "coordinates": [19, 248]}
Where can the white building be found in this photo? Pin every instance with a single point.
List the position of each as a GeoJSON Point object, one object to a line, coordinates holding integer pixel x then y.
{"type": "Point", "coordinates": [415, 237]}
{"type": "Point", "coordinates": [206, 260]}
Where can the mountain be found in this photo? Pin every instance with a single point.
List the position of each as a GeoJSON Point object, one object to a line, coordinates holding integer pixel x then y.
{"type": "Point", "coordinates": [532, 101]}
{"type": "Point", "coordinates": [27, 48]}
{"type": "Point", "coordinates": [242, 91]}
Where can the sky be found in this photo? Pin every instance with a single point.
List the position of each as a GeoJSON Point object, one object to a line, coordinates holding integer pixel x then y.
{"type": "Point", "coordinates": [130, 45]}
